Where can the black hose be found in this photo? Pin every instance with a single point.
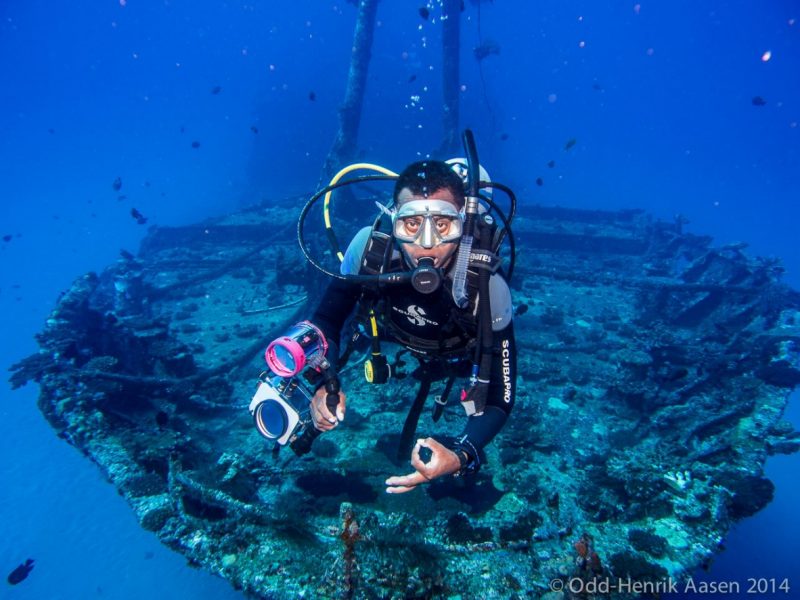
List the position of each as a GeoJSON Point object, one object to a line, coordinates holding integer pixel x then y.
{"type": "Point", "coordinates": [304, 213]}
{"type": "Point", "coordinates": [512, 246]}
{"type": "Point", "coordinates": [473, 166]}
{"type": "Point", "coordinates": [508, 192]}
{"type": "Point", "coordinates": [390, 279]}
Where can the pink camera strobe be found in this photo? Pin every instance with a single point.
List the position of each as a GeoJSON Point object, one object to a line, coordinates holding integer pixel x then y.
{"type": "Point", "coordinates": [303, 345]}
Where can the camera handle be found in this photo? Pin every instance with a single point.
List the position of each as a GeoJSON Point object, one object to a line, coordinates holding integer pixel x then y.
{"type": "Point", "coordinates": [302, 444]}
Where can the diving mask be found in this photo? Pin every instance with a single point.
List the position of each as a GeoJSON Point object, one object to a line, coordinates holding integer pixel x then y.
{"type": "Point", "coordinates": [427, 223]}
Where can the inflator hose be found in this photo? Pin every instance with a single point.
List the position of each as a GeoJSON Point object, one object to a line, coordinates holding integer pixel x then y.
{"type": "Point", "coordinates": [460, 296]}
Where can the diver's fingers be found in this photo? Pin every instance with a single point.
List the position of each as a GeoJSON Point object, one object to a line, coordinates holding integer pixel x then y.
{"type": "Point", "coordinates": [342, 407]}
{"type": "Point", "coordinates": [427, 469]}
{"type": "Point", "coordinates": [322, 417]}
{"type": "Point", "coordinates": [426, 442]}
{"type": "Point", "coordinates": [416, 461]}
{"type": "Point", "coordinates": [321, 402]}
{"type": "Point", "coordinates": [434, 446]}
{"type": "Point", "coordinates": [321, 424]}
{"type": "Point", "coordinates": [400, 489]}
{"type": "Point", "coordinates": [410, 480]}
{"type": "Point", "coordinates": [415, 453]}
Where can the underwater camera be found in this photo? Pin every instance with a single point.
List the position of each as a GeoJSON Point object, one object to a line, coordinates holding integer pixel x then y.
{"type": "Point", "coordinates": [280, 407]}
{"type": "Point", "coordinates": [281, 404]}
{"type": "Point", "coordinates": [304, 344]}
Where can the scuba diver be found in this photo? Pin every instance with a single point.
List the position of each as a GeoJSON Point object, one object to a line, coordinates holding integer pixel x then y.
{"type": "Point", "coordinates": [426, 276]}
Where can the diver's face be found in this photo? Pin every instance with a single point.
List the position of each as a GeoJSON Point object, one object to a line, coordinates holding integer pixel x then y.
{"type": "Point", "coordinates": [441, 252]}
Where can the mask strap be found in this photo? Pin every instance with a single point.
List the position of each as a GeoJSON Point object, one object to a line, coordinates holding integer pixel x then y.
{"type": "Point", "coordinates": [386, 210]}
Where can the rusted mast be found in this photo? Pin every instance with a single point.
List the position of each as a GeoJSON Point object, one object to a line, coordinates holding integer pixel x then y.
{"type": "Point", "coordinates": [344, 145]}
{"type": "Point", "coordinates": [451, 14]}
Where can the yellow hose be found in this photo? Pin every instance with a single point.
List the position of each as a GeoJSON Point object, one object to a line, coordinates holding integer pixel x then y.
{"type": "Point", "coordinates": [373, 323]}
{"type": "Point", "coordinates": [326, 203]}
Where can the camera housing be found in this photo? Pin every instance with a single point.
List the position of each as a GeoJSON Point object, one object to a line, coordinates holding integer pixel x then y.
{"type": "Point", "coordinates": [280, 408]}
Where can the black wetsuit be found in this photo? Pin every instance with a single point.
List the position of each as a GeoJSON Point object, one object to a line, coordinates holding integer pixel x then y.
{"type": "Point", "coordinates": [433, 328]}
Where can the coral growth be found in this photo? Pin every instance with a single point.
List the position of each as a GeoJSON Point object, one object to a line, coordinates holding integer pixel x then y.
{"type": "Point", "coordinates": [653, 373]}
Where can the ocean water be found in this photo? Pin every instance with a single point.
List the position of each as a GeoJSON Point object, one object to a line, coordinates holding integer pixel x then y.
{"type": "Point", "coordinates": [202, 107]}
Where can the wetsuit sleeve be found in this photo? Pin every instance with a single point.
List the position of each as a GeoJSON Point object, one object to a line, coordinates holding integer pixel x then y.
{"type": "Point", "coordinates": [340, 297]}
{"type": "Point", "coordinates": [336, 305]}
{"type": "Point", "coordinates": [481, 429]}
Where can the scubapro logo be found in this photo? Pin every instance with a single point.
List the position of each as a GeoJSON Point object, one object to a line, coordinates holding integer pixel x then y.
{"type": "Point", "coordinates": [416, 316]}
{"type": "Point", "coordinates": [506, 356]}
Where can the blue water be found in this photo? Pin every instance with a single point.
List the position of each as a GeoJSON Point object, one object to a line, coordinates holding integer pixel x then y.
{"type": "Point", "coordinates": [657, 95]}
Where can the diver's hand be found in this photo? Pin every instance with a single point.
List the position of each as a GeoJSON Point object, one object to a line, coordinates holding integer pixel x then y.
{"type": "Point", "coordinates": [322, 417]}
{"type": "Point", "coordinates": [443, 462]}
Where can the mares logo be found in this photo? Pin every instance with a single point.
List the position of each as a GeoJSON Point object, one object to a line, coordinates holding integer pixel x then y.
{"type": "Point", "coordinates": [416, 316]}
{"type": "Point", "coordinates": [480, 257]}
{"type": "Point", "coordinates": [505, 353]}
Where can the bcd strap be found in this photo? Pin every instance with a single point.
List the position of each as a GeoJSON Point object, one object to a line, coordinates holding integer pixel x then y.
{"type": "Point", "coordinates": [377, 254]}
{"type": "Point", "coordinates": [351, 344]}
{"type": "Point", "coordinates": [410, 426]}
{"type": "Point", "coordinates": [484, 259]}
{"type": "Point", "coordinates": [441, 401]}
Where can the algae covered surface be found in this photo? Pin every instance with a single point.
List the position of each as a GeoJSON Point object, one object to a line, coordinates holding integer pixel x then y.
{"type": "Point", "coordinates": [654, 369]}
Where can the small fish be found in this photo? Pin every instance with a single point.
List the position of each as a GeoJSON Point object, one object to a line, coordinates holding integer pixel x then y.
{"type": "Point", "coordinates": [412, 79]}
{"type": "Point", "coordinates": [51, 131]}
{"type": "Point", "coordinates": [597, 87]}
{"type": "Point", "coordinates": [312, 96]}
{"type": "Point", "coordinates": [117, 185]}
{"type": "Point", "coordinates": [8, 237]}
{"type": "Point", "coordinates": [121, 197]}
{"type": "Point", "coordinates": [149, 554]}
{"type": "Point", "coordinates": [140, 218]}
{"type": "Point", "coordinates": [195, 144]}
{"type": "Point", "coordinates": [521, 309]}
{"type": "Point", "coordinates": [183, 129]}
{"type": "Point", "coordinates": [21, 572]}
{"type": "Point", "coordinates": [551, 163]}
{"type": "Point", "coordinates": [503, 137]}
{"type": "Point", "coordinates": [758, 101]}
{"type": "Point", "coordinates": [146, 184]}
{"type": "Point", "coordinates": [216, 89]}
{"type": "Point", "coordinates": [424, 13]}
{"type": "Point", "coordinates": [253, 128]}
{"type": "Point", "coordinates": [570, 143]}
{"type": "Point", "coordinates": [487, 48]}
{"type": "Point", "coordinates": [539, 181]}
{"type": "Point", "coordinates": [125, 254]}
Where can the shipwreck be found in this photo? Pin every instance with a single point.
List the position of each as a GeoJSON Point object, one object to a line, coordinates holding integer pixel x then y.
{"type": "Point", "coordinates": [654, 370]}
